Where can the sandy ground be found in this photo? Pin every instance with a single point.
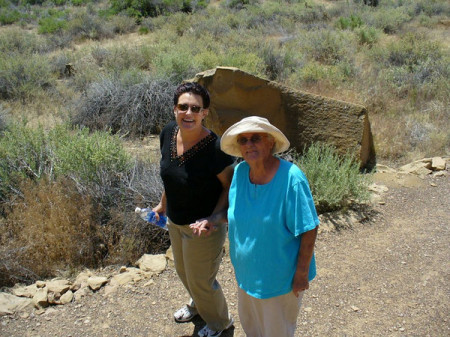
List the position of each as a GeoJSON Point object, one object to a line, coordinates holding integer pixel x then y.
{"type": "Point", "coordinates": [386, 277]}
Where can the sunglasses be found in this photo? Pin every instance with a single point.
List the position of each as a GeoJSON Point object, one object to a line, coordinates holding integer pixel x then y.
{"type": "Point", "coordinates": [254, 139]}
{"type": "Point", "coordinates": [185, 107]}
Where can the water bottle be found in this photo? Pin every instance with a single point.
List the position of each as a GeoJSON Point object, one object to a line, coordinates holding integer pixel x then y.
{"type": "Point", "coordinates": [148, 215]}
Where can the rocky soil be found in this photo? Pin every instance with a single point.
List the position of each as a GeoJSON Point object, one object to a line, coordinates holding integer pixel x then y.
{"type": "Point", "coordinates": [387, 275]}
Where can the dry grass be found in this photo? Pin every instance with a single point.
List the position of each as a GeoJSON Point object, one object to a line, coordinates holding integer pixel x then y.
{"type": "Point", "coordinates": [51, 228]}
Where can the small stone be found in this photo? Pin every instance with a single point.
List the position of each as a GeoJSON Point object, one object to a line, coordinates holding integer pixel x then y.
{"type": "Point", "coordinates": [355, 308]}
{"type": "Point", "coordinates": [307, 309]}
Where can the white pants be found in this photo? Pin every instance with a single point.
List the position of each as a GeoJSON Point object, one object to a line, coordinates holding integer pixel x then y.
{"type": "Point", "coordinates": [271, 317]}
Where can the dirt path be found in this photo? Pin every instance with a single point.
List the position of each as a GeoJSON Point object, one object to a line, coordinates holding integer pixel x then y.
{"type": "Point", "coordinates": [389, 277]}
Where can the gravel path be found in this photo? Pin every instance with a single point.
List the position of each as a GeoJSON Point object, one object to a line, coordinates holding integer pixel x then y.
{"type": "Point", "coordinates": [387, 277]}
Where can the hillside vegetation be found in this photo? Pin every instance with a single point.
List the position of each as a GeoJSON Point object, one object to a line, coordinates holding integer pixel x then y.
{"type": "Point", "coordinates": [78, 78]}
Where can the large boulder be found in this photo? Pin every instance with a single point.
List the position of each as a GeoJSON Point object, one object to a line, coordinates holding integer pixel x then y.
{"type": "Point", "coordinates": [303, 117]}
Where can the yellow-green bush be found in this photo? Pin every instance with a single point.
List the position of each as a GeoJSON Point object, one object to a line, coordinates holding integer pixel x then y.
{"type": "Point", "coordinates": [335, 179]}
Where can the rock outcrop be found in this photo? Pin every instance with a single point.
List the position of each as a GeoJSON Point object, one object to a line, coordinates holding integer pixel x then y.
{"type": "Point", "coordinates": [303, 117]}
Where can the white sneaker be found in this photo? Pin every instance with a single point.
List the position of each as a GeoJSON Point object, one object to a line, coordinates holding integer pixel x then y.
{"type": "Point", "coordinates": [185, 314]}
{"type": "Point", "coordinates": [207, 332]}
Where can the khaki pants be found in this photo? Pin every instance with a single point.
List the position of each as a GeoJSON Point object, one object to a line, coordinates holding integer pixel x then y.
{"type": "Point", "coordinates": [197, 261]}
{"type": "Point", "coordinates": [271, 317]}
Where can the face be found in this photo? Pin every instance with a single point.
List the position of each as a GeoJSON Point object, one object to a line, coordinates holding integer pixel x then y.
{"type": "Point", "coordinates": [255, 146]}
{"type": "Point", "coordinates": [189, 111]}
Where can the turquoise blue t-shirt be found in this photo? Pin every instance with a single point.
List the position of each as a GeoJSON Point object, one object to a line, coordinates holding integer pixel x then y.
{"type": "Point", "coordinates": [265, 227]}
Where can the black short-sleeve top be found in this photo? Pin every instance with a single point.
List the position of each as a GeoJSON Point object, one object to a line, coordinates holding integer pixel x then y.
{"type": "Point", "coordinates": [190, 180]}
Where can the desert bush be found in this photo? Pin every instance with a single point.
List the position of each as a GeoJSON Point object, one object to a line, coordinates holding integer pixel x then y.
{"type": "Point", "coordinates": [177, 63]}
{"type": "Point", "coordinates": [3, 119]}
{"type": "Point", "coordinates": [34, 153]}
{"type": "Point", "coordinates": [414, 67]}
{"type": "Point", "coordinates": [132, 107]}
{"type": "Point", "coordinates": [153, 8]}
{"type": "Point", "coordinates": [389, 20]}
{"type": "Point", "coordinates": [121, 58]}
{"type": "Point", "coordinates": [87, 25]}
{"type": "Point", "coordinates": [78, 182]}
{"type": "Point", "coordinates": [126, 235]}
{"type": "Point", "coordinates": [23, 76]}
{"type": "Point", "coordinates": [122, 24]}
{"type": "Point", "coordinates": [88, 156]}
{"type": "Point", "coordinates": [51, 228]}
{"type": "Point", "coordinates": [335, 179]}
{"type": "Point", "coordinates": [314, 72]}
{"type": "Point", "coordinates": [23, 155]}
{"type": "Point", "coordinates": [16, 40]}
{"type": "Point", "coordinates": [328, 47]}
{"type": "Point", "coordinates": [279, 61]}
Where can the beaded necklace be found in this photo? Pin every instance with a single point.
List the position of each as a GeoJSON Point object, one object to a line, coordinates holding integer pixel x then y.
{"type": "Point", "coordinates": [184, 157]}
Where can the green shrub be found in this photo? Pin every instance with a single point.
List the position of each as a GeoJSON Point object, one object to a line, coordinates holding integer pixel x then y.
{"type": "Point", "coordinates": [23, 154]}
{"type": "Point", "coordinates": [351, 22]}
{"type": "Point", "coordinates": [56, 21]}
{"type": "Point", "coordinates": [10, 16]}
{"type": "Point", "coordinates": [88, 156]}
{"type": "Point", "coordinates": [335, 180]}
{"type": "Point", "coordinates": [143, 30]}
{"type": "Point", "coordinates": [23, 76]}
{"type": "Point", "coordinates": [34, 153]}
{"type": "Point", "coordinates": [79, 2]}
{"type": "Point", "coordinates": [367, 36]}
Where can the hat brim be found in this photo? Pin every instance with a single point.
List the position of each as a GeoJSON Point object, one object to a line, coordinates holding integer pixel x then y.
{"type": "Point", "coordinates": [228, 142]}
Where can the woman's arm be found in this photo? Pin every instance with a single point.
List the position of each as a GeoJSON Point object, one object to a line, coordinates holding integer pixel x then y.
{"type": "Point", "coordinates": [219, 214]}
{"type": "Point", "coordinates": [161, 207]}
{"type": "Point", "coordinates": [305, 254]}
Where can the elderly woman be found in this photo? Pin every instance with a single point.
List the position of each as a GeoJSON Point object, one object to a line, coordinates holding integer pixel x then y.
{"type": "Point", "coordinates": [196, 175]}
{"type": "Point", "coordinates": [272, 229]}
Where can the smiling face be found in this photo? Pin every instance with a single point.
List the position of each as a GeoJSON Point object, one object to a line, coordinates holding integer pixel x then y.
{"type": "Point", "coordinates": [188, 120]}
{"type": "Point", "coordinates": [255, 146]}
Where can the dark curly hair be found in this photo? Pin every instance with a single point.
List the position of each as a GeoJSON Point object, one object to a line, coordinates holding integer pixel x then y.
{"type": "Point", "coordinates": [195, 88]}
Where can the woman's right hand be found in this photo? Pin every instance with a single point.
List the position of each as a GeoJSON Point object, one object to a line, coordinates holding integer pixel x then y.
{"type": "Point", "coordinates": [159, 210]}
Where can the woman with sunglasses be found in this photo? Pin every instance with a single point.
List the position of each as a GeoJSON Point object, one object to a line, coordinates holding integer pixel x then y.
{"type": "Point", "coordinates": [196, 175]}
{"type": "Point", "coordinates": [272, 229]}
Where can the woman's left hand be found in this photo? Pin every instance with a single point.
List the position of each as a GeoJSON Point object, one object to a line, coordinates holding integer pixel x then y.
{"type": "Point", "coordinates": [203, 227]}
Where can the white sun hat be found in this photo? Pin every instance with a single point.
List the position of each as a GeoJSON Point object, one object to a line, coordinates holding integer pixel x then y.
{"type": "Point", "coordinates": [228, 142]}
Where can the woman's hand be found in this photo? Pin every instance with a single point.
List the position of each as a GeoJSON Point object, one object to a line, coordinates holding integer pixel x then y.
{"type": "Point", "coordinates": [203, 227]}
{"type": "Point", "coordinates": [160, 209]}
{"type": "Point", "coordinates": [300, 283]}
